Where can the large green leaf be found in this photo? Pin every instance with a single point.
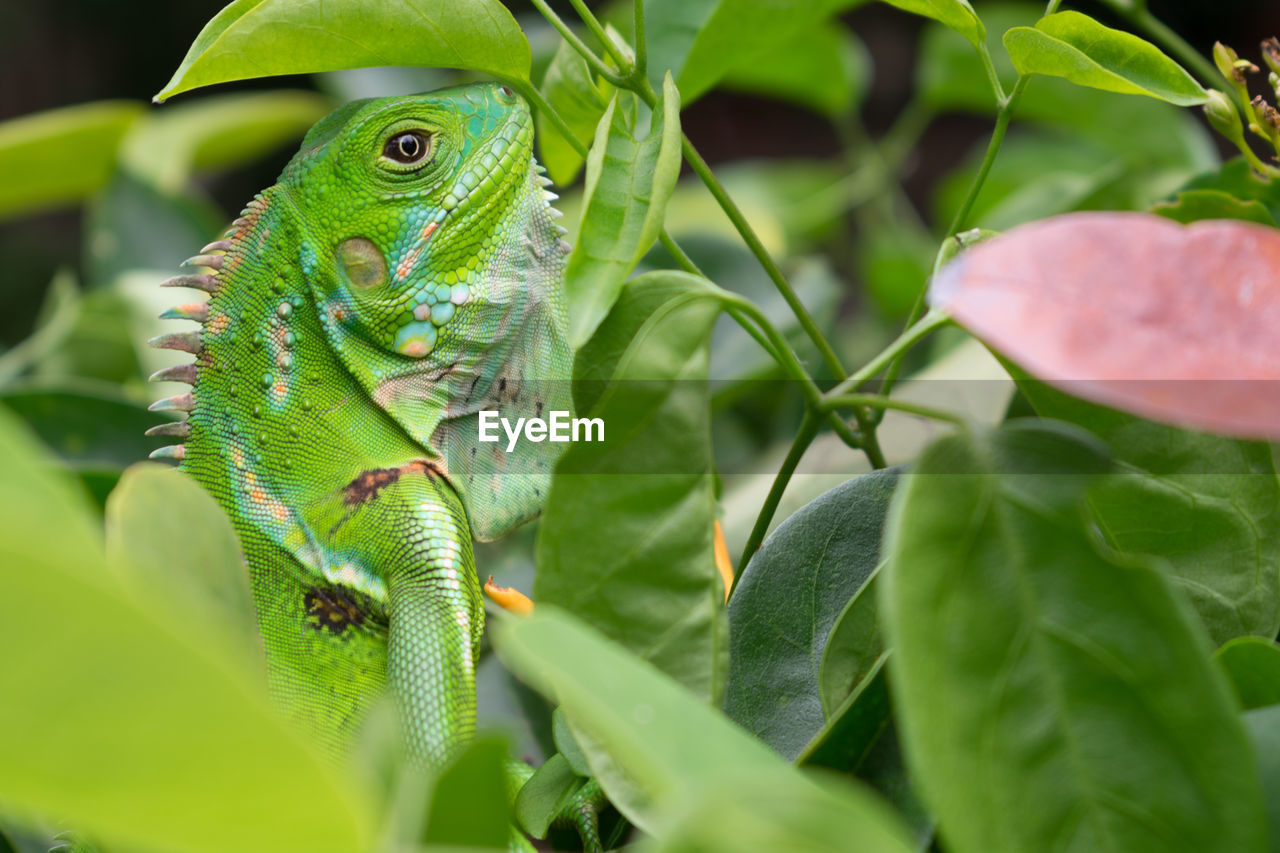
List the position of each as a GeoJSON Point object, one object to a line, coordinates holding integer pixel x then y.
{"type": "Point", "coordinates": [90, 425]}
{"type": "Point", "coordinates": [1194, 205]}
{"type": "Point", "coordinates": [628, 182]}
{"type": "Point", "coordinates": [625, 540]}
{"type": "Point", "coordinates": [1032, 667]}
{"type": "Point", "coordinates": [699, 41]}
{"type": "Point", "coordinates": [469, 804]}
{"type": "Point", "coordinates": [129, 719]}
{"type": "Point", "coordinates": [167, 534]}
{"type": "Point", "coordinates": [60, 156]}
{"type": "Point", "coordinates": [1074, 46]}
{"type": "Point", "coordinates": [657, 750]}
{"type": "Point", "coordinates": [574, 94]}
{"type": "Point", "coordinates": [1208, 506]}
{"type": "Point", "coordinates": [786, 602]}
{"type": "Point", "coordinates": [264, 38]}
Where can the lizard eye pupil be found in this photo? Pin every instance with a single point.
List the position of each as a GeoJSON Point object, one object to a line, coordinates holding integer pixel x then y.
{"type": "Point", "coordinates": [406, 148]}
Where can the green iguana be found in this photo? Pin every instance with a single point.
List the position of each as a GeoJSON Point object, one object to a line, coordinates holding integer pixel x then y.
{"type": "Point", "coordinates": [403, 275]}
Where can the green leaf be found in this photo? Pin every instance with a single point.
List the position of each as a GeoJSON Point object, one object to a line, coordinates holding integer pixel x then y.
{"type": "Point", "coordinates": [469, 805]}
{"type": "Point", "coordinates": [60, 156]}
{"type": "Point", "coordinates": [159, 519]}
{"type": "Point", "coordinates": [854, 726]}
{"type": "Point", "coordinates": [216, 133]}
{"type": "Point", "coordinates": [575, 95]}
{"type": "Point", "coordinates": [1194, 205]}
{"type": "Point", "coordinates": [700, 41]}
{"type": "Point", "coordinates": [628, 182]}
{"type": "Point", "coordinates": [854, 647]}
{"type": "Point", "coordinates": [567, 746]}
{"type": "Point", "coordinates": [1237, 179]}
{"type": "Point", "coordinates": [786, 603]}
{"type": "Point", "coordinates": [1030, 666]}
{"type": "Point", "coordinates": [264, 38]}
{"type": "Point", "coordinates": [1204, 504]}
{"type": "Point", "coordinates": [955, 15]}
{"type": "Point", "coordinates": [825, 68]}
{"type": "Point", "coordinates": [133, 719]}
{"type": "Point", "coordinates": [1078, 48]}
{"type": "Point", "coordinates": [625, 540]}
{"type": "Point", "coordinates": [546, 794]}
{"type": "Point", "coordinates": [1263, 725]}
{"type": "Point", "coordinates": [1253, 666]}
{"type": "Point", "coordinates": [657, 750]}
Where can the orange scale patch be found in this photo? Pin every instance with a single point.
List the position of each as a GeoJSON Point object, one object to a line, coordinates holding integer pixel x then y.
{"type": "Point", "coordinates": [218, 324]}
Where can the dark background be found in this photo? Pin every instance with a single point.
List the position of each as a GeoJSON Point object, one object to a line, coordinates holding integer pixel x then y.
{"type": "Point", "coordinates": [72, 51]}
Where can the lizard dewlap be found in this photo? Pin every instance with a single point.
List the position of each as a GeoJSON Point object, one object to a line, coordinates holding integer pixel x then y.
{"type": "Point", "coordinates": [403, 275]}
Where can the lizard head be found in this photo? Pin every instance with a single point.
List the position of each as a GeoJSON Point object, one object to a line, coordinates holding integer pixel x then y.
{"type": "Point", "coordinates": [407, 199]}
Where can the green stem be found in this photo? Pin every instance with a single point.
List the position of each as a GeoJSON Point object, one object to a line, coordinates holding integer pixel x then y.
{"type": "Point", "coordinates": [804, 437]}
{"type": "Point", "coordinates": [992, 77]}
{"type": "Point", "coordinates": [932, 321]}
{"type": "Point", "coordinates": [642, 51]}
{"type": "Point", "coordinates": [879, 401]}
{"type": "Point", "coordinates": [1003, 118]}
{"type": "Point", "coordinates": [566, 32]}
{"type": "Point", "coordinates": [593, 24]}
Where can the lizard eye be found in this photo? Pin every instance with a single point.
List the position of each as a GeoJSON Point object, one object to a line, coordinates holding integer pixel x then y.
{"type": "Point", "coordinates": [408, 149]}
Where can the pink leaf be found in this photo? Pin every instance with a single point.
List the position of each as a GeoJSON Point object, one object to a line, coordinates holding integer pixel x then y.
{"type": "Point", "coordinates": [1176, 323]}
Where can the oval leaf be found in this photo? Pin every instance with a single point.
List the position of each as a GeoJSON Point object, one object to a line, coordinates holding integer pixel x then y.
{"type": "Point", "coordinates": [1194, 205]}
{"type": "Point", "coordinates": [625, 540]}
{"type": "Point", "coordinates": [672, 748]}
{"type": "Point", "coordinates": [264, 38]}
{"type": "Point", "coordinates": [572, 91]}
{"type": "Point", "coordinates": [1174, 323]}
{"type": "Point", "coordinates": [1031, 667]}
{"type": "Point", "coordinates": [786, 603]}
{"type": "Point", "coordinates": [1075, 46]}
{"type": "Point", "coordinates": [628, 182]}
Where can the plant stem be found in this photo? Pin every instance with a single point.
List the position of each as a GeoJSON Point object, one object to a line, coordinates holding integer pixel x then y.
{"type": "Point", "coordinates": [642, 51]}
{"type": "Point", "coordinates": [593, 24]}
{"type": "Point", "coordinates": [804, 437]}
{"type": "Point", "coordinates": [879, 401]}
{"type": "Point", "coordinates": [932, 321]}
{"type": "Point", "coordinates": [596, 63]}
{"type": "Point", "coordinates": [993, 78]}
{"type": "Point", "coordinates": [1003, 117]}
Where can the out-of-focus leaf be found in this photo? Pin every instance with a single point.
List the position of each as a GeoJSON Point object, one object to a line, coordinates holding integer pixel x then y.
{"type": "Point", "coordinates": [699, 41]}
{"type": "Point", "coordinates": [628, 182]}
{"type": "Point", "coordinates": [786, 602]}
{"type": "Point", "coordinates": [1155, 297]}
{"type": "Point", "coordinates": [651, 582]}
{"type": "Point", "coordinates": [113, 686]}
{"type": "Point", "coordinates": [1030, 666]}
{"type": "Point", "coordinates": [1253, 666]}
{"type": "Point", "coordinates": [89, 425]}
{"type": "Point", "coordinates": [1207, 506]}
{"type": "Point", "coordinates": [214, 133]}
{"type": "Point", "coordinates": [60, 156]}
{"type": "Point", "coordinates": [1263, 725]}
{"type": "Point", "coordinates": [1078, 48]}
{"type": "Point", "coordinates": [1194, 205]}
{"type": "Point", "coordinates": [825, 68]}
{"type": "Point", "coordinates": [133, 226]}
{"type": "Point", "coordinates": [575, 95]}
{"type": "Point", "coordinates": [894, 265]}
{"type": "Point", "coordinates": [656, 749]}
{"type": "Point", "coordinates": [469, 806]}
{"type": "Point", "coordinates": [166, 533]}
{"type": "Point", "coordinates": [306, 36]}
{"type": "Point", "coordinates": [62, 308]}
{"type": "Point", "coordinates": [955, 15]}
{"type": "Point", "coordinates": [1238, 180]}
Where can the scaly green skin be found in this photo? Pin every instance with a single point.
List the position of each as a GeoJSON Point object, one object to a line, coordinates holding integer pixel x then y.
{"type": "Point", "coordinates": [361, 313]}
